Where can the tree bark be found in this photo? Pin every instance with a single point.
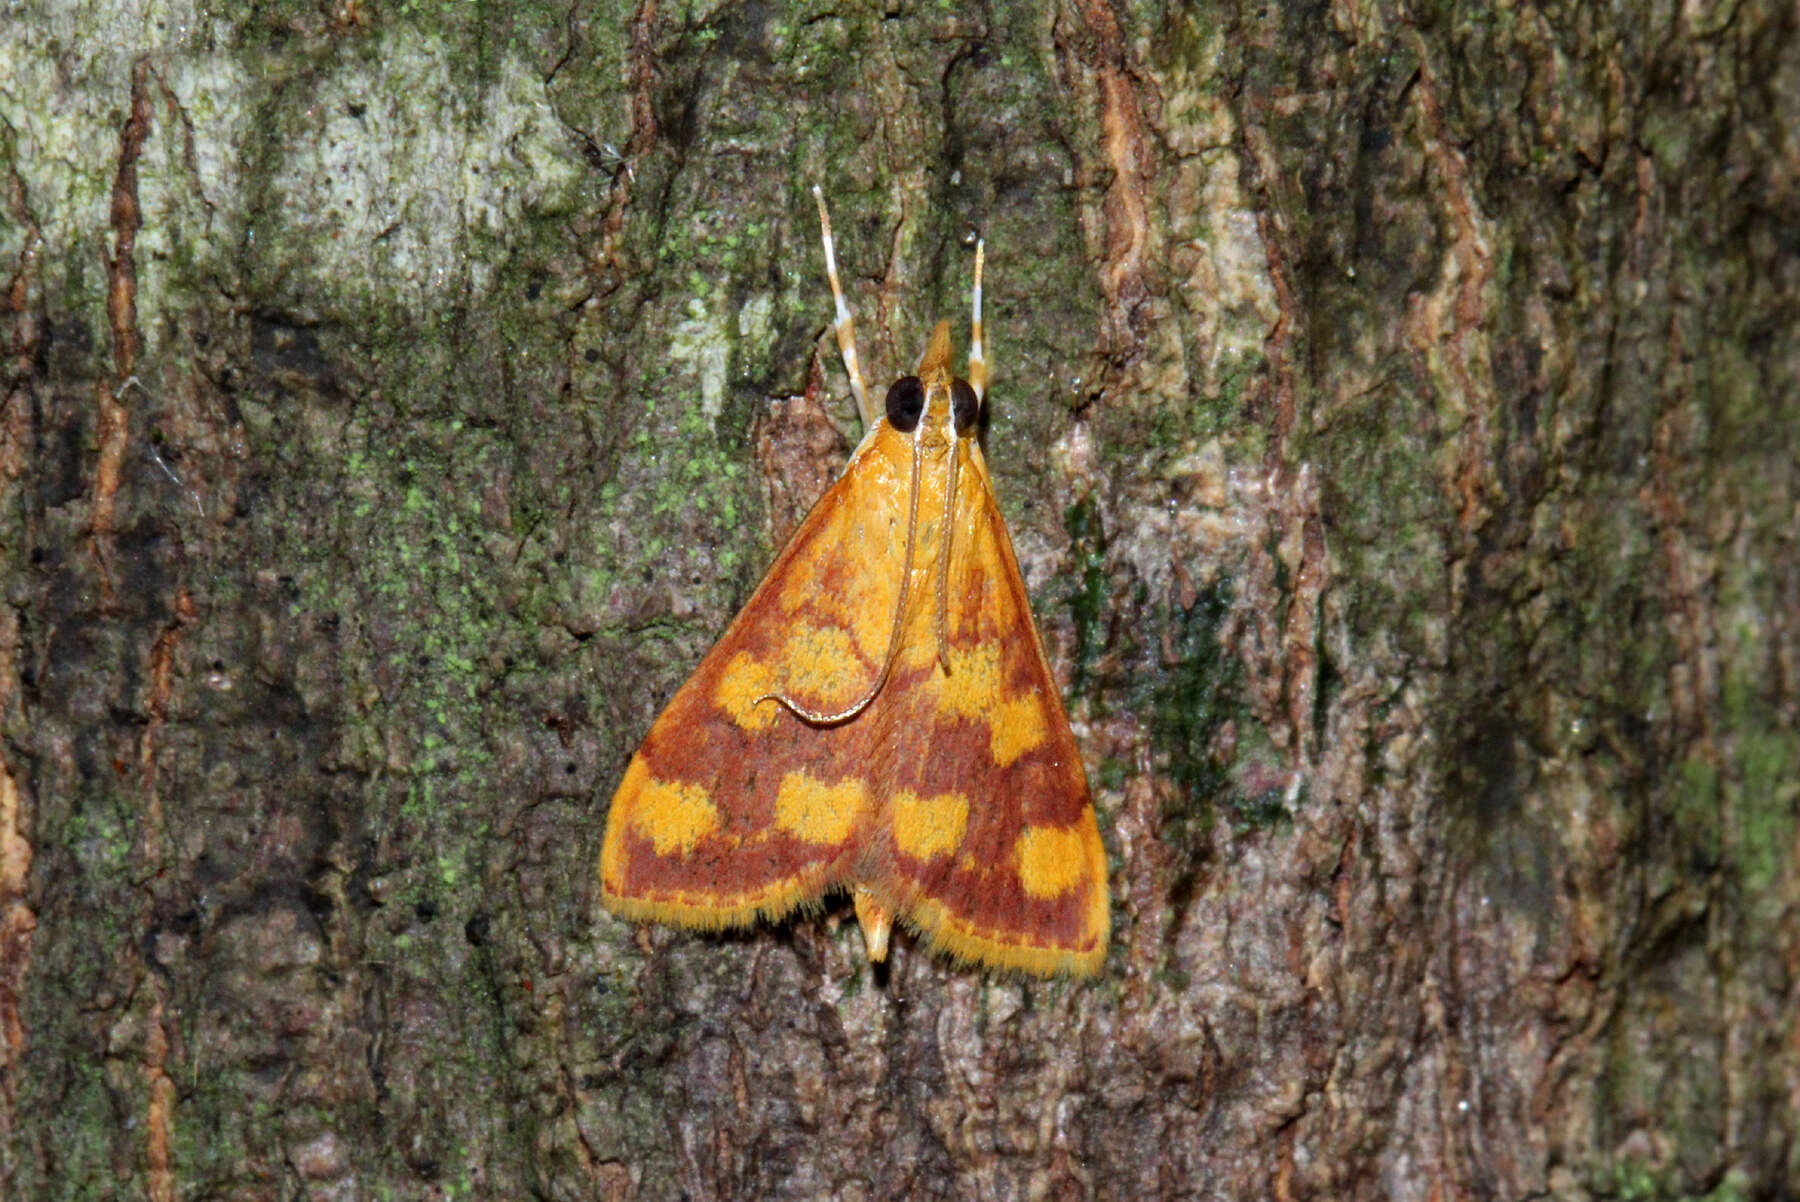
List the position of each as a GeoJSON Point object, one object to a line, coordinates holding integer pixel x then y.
{"type": "Point", "coordinates": [1394, 408]}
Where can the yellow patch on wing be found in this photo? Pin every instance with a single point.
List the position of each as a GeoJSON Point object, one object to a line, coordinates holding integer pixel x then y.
{"type": "Point", "coordinates": [816, 812]}
{"type": "Point", "coordinates": [742, 681]}
{"type": "Point", "coordinates": [814, 666]}
{"type": "Point", "coordinates": [1016, 727]}
{"type": "Point", "coordinates": [974, 689]}
{"type": "Point", "coordinates": [820, 665]}
{"type": "Point", "coordinates": [925, 827]}
{"type": "Point", "coordinates": [1052, 859]}
{"type": "Point", "coordinates": [973, 683]}
{"type": "Point", "coordinates": [673, 816]}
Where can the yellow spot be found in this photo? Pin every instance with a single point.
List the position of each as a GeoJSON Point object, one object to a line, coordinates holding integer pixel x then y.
{"type": "Point", "coordinates": [973, 690]}
{"type": "Point", "coordinates": [871, 613]}
{"type": "Point", "coordinates": [1017, 727]}
{"type": "Point", "coordinates": [816, 667]}
{"type": "Point", "coordinates": [1052, 860]}
{"type": "Point", "coordinates": [973, 685]}
{"type": "Point", "coordinates": [821, 667]}
{"type": "Point", "coordinates": [929, 826]}
{"type": "Point", "coordinates": [817, 812]}
{"type": "Point", "coordinates": [745, 679]}
{"type": "Point", "coordinates": [673, 816]}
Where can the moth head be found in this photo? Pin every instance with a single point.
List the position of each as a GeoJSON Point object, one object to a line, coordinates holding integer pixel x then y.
{"type": "Point", "coordinates": [935, 397]}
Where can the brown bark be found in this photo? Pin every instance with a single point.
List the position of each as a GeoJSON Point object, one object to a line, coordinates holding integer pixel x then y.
{"type": "Point", "coordinates": [1394, 409]}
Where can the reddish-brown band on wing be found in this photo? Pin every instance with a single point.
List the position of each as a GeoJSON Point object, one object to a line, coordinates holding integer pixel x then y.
{"type": "Point", "coordinates": [733, 809]}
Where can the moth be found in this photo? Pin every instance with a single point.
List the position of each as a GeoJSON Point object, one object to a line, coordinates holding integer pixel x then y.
{"type": "Point", "coordinates": [880, 717]}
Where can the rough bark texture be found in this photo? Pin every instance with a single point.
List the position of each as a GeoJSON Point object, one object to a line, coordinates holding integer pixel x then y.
{"type": "Point", "coordinates": [1395, 409]}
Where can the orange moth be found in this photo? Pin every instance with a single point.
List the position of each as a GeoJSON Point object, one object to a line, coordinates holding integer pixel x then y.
{"type": "Point", "coordinates": [879, 718]}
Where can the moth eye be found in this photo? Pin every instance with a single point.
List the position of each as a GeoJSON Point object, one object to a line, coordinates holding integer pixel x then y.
{"type": "Point", "coordinates": [905, 404]}
{"type": "Point", "coordinates": [965, 407]}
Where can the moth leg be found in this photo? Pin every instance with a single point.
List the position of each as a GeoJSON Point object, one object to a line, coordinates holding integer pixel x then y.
{"type": "Point", "coordinates": [845, 325]}
{"type": "Point", "coordinates": [978, 374]}
{"type": "Point", "coordinates": [876, 921]}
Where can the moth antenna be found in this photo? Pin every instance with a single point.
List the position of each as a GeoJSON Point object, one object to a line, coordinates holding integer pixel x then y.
{"type": "Point", "coordinates": [815, 717]}
{"type": "Point", "coordinates": [978, 372]}
{"type": "Point", "coordinates": [845, 325]}
{"type": "Point", "coordinates": [943, 572]}
{"type": "Point", "coordinates": [978, 381]}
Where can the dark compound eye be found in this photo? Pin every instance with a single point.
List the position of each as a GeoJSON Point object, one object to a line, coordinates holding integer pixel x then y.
{"type": "Point", "coordinates": [965, 407]}
{"type": "Point", "coordinates": [905, 404]}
